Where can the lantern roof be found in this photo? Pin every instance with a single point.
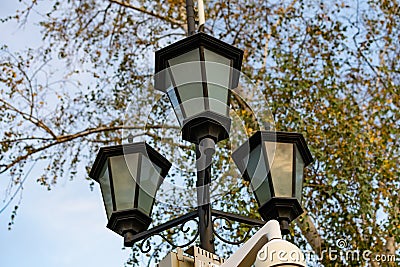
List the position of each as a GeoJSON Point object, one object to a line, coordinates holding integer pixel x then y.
{"type": "Point", "coordinates": [193, 42]}
{"type": "Point", "coordinates": [278, 137]}
{"type": "Point", "coordinates": [119, 150]}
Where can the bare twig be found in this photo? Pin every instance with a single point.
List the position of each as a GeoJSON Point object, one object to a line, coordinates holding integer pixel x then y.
{"type": "Point", "coordinates": [142, 10]}
{"type": "Point", "coordinates": [30, 117]}
{"type": "Point", "coordinates": [66, 138]}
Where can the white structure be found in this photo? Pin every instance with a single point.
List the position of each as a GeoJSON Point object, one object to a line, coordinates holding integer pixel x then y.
{"type": "Point", "coordinates": [265, 248]}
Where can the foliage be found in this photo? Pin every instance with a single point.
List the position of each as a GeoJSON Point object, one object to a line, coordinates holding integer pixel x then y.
{"type": "Point", "coordinates": [328, 69]}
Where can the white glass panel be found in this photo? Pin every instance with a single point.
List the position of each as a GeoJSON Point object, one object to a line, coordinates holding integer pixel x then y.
{"type": "Point", "coordinates": [299, 175]}
{"type": "Point", "coordinates": [214, 57]}
{"type": "Point", "coordinates": [218, 69]}
{"type": "Point", "coordinates": [187, 77]}
{"type": "Point", "coordinates": [124, 171]}
{"type": "Point", "coordinates": [193, 55]}
{"type": "Point", "coordinates": [192, 98]}
{"type": "Point", "coordinates": [145, 202]}
{"type": "Point", "coordinates": [175, 105]}
{"type": "Point", "coordinates": [163, 80]}
{"type": "Point", "coordinates": [257, 170]}
{"type": "Point", "coordinates": [218, 99]}
{"type": "Point", "coordinates": [280, 159]}
{"type": "Point", "coordinates": [186, 68]}
{"type": "Point", "coordinates": [149, 180]}
{"type": "Point", "coordinates": [106, 192]}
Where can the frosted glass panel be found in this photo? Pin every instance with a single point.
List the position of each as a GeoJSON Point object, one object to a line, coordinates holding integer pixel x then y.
{"type": "Point", "coordinates": [257, 170]}
{"type": "Point", "coordinates": [150, 176]}
{"type": "Point", "coordinates": [263, 192]}
{"type": "Point", "coordinates": [214, 57]}
{"type": "Point", "coordinates": [149, 180]}
{"type": "Point", "coordinates": [280, 159]}
{"type": "Point", "coordinates": [193, 55]}
{"type": "Point", "coordinates": [299, 175]}
{"type": "Point", "coordinates": [175, 105]}
{"type": "Point", "coordinates": [218, 99]}
{"type": "Point", "coordinates": [106, 192]}
{"type": "Point", "coordinates": [217, 73]}
{"type": "Point", "coordinates": [145, 202]}
{"type": "Point", "coordinates": [186, 68]}
{"type": "Point", "coordinates": [124, 171]}
{"type": "Point", "coordinates": [192, 98]}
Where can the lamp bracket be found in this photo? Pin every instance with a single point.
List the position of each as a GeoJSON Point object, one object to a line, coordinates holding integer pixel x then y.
{"type": "Point", "coordinates": [224, 221]}
{"type": "Point", "coordinates": [181, 222]}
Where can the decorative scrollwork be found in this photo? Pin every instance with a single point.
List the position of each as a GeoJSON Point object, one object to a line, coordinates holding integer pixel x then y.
{"type": "Point", "coordinates": [143, 248]}
{"type": "Point", "coordinates": [228, 226]}
{"type": "Point", "coordinates": [185, 228]}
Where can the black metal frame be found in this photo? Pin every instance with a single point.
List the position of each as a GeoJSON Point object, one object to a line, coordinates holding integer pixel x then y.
{"type": "Point", "coordinates": [119, 150]}
{"type": "Point", "coordinates": [229, 218]}
{"type": "Point", "coordinates": [285, 209]}
{"type": "Point", "coordinates": [181, 221]}
{"type": "Point", "coordinates": [207, 123]}
{"type": "Point", "coordinates": [279, 137]}
{"type": "Point", "coordinates": [132, 220]}
{"type": "Point", "coordinates": [190, 43]}
{"type": "Point", "coordinates": [129, 221]}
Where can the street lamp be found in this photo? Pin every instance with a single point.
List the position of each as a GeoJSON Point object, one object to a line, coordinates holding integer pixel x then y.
{"type": "Point", "coordinates": [197, 73]}
{"type": "Point", "coordinates": [274, 163]}
{"type": "Point", "coordinates": [129, 176]}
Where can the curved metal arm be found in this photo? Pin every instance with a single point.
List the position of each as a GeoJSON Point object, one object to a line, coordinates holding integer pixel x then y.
{"type": "Point", "coordinates": [132, 239]}
{"type": "Point", "coordinates": [229, 228]}
{"type": "Point", "coordinates": [145, 245]}
{"type": "Point", "coordinates": [229, 219]}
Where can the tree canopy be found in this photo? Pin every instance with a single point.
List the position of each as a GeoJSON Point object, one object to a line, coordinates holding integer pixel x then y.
{"type": "Point", "coordinates": [327, 69]}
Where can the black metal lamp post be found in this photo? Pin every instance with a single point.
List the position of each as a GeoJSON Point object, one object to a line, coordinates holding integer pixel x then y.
{"type": "Point", "coordinates": [129, 176]}
{"type": "Point", "coordinates": [274, 163]}
{"type": "Point", "coordinates": [198, 73]}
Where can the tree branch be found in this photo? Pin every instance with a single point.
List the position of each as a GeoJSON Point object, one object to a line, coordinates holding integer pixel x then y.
{"type": "Point", "coordinates": [269, 35]}
{"type": "Point", "coordinates": [66, 138]}
{"type": "Point", "coordinates": [142, 10]}
{"type": "Point", "coordinates": [31, 118]}
{"type": "Point", "coordinates": [310, 232]}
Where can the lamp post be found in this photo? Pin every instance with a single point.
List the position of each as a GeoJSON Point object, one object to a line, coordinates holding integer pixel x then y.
{"type": "Point", "coordinates": [198, 74]}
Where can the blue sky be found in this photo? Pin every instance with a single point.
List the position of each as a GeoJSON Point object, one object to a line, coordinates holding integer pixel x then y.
{"type": "Point", "coordinates": [62, 227]}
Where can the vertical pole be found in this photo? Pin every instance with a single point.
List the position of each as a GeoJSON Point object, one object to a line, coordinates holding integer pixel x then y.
{"type": "Point", "coordinates": [202, 17]}
{"type": "Point", "coordinates": [204, 153]}
{"type": "Point", "coordinates": [190, 17]}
